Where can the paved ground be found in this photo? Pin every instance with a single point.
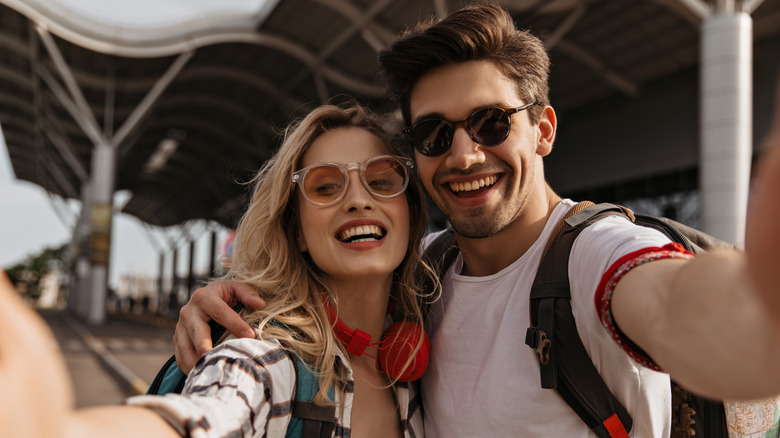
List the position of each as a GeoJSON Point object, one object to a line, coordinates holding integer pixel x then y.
{"type": "Point", "coordinates": [112, 361]}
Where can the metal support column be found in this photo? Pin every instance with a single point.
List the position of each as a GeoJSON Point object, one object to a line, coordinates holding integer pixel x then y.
{"type": "Point", "coordinates": [101, 217]}
{"type": "Point", "coordinates": [98, 211]}
{"type": "Point", "coordinates": [726, 121]}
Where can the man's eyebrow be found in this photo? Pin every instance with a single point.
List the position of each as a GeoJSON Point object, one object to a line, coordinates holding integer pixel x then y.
{"type": "Point", "coordinates": [437, 115]}
{"type": "Point", "coordinates": [433, 115]}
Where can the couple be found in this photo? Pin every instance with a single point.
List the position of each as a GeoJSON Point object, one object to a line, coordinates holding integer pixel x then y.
{"type": "Point", "coordinates": [331, 241]}
{"type": "Point", "coordinates": [473, 93]}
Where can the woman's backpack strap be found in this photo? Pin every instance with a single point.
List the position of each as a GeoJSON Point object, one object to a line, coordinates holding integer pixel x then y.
{"type": "Point", "coordinates": [309, 420]}
{"type": "Point", "coordinates": [169, 379]}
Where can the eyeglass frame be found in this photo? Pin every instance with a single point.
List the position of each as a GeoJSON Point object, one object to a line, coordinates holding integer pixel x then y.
{"type": "Point", "coordinates": [454, 125]}
{"type": "Point", "coordinates": [300, 175]}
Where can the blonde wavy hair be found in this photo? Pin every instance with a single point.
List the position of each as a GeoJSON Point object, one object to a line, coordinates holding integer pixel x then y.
{"type": "Point", "coordinates": [266, 253]}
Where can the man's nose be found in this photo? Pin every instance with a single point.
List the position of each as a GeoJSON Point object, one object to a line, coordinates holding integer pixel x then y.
{"type": "Point", "coordinates": [464, 151]}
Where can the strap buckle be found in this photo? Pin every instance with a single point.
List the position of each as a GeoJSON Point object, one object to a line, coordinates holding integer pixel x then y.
{"type": "Point", "coordinates": [538, 340]}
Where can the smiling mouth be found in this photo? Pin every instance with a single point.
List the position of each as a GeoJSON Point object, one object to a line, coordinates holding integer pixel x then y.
{"type": "Point", "coordinates": [472, 187]}
{"type": "Point", "coordinates": [362, 233]}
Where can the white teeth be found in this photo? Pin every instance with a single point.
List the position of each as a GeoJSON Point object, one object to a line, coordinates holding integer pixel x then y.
{"type": "Point", "coordinates": [473, 185]}
{"type": "Point", "coordinates": [362, 230]}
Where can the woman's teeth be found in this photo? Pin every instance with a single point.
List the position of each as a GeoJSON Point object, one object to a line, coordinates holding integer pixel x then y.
{"type": "Point", "coordinates": [361, 233]}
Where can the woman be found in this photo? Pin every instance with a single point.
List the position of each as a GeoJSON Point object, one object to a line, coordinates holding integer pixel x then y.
{"type": "Point", "coordinates": [330, 240]}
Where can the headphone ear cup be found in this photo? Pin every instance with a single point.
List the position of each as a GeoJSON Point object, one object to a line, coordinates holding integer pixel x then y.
{"type": "Point", "coordinates": [398, 344]}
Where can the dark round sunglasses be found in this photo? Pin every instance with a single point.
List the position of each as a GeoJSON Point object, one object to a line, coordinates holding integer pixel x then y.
{"type": "Point", "coordinates": [488, 127]}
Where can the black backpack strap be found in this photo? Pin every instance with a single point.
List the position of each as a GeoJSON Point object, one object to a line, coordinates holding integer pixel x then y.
{"type": "Point", "coordinates": [440, 254]}
{"type": "Point", "coordinates": [318, 421]}
{"type": "Point", "coordinates": [564, 363]}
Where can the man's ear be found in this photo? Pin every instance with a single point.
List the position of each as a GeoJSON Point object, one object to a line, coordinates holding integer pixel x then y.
{"type": "Point", "coordinates": [548, 124]}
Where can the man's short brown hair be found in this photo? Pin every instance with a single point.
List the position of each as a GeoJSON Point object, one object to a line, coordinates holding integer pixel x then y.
{"type": "Point", "coordinates": [480, 31]}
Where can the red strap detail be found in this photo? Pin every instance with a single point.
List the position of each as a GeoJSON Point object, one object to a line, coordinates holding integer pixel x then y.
{"type": "Point", "coordinates": [615, 427]}
{"type": "Point", "coordinates": [355, 341]}
{"type": "Point", "coordinates": [357, 345]}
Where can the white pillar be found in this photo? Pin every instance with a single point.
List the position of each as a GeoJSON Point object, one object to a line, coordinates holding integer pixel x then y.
{"type": "Point", "coordinates": [726, 124]}
{"type": "Point", "coordinates": [101, 216]}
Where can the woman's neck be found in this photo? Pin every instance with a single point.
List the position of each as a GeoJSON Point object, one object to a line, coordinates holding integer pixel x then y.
{"type": "Point", "coordinates": [362, 305]}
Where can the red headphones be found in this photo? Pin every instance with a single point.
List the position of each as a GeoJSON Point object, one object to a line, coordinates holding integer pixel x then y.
{"type": "Point", "coordinates": [395, 348]}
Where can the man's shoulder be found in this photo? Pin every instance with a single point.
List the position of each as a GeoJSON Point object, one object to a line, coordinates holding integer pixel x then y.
{"type": "Point", "coordinates": [432, 236]}
{"type": "Point", "coordinates": [618, 227]}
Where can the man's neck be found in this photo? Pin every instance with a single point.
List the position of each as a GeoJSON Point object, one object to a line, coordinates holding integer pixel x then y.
{"type": "Point", "coordinates": [489, 255]}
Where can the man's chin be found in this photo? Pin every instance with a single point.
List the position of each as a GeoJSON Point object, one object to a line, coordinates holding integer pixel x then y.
{"type": "Point", "coordinates": [473, 228]}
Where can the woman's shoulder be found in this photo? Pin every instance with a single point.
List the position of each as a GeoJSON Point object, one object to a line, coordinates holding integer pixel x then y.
{"type": "Point", "coordinates": [244, 362]}
{"type": "Point", "coordinates": [261, 351]}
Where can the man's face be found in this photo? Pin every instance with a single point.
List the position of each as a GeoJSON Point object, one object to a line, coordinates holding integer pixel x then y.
{"type": "Point", "coordinates": [481, 190]}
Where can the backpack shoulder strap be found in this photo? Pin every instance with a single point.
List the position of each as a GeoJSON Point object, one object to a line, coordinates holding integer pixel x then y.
{"type": "Point", "coordinates": [309, 420]}
{"type": "Point", "coordinates": [440, 254]}
{"type": "Point", "coordinates": [564, 363]}
{"type": "Point", "coordinates": [692, 239]}
{"type": "Point", "coordinates": [574, 210]}
{"type": "Point", "coordinates": [170, 379]}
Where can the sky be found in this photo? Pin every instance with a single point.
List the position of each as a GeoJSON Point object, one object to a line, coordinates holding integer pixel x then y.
{"type": "Point", "coordinates": [31, 220]}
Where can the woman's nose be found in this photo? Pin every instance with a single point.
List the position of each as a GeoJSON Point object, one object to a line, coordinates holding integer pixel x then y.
{"type": "Point", "coordinates": [357, 196]}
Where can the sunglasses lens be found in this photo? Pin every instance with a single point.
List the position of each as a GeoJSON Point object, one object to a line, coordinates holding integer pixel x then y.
{"type": "Point", "coordinates": [431, 137]}
{"type": "Point", "coordinates": [323, 184]}
{"type": "Point", "coordinates": [489, 126]}
{"type": "Point", "coordinates": [386, 177]}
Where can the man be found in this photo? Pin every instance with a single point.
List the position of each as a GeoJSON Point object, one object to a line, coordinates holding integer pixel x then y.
{"type": "Point", "coordinates": [473, 93]}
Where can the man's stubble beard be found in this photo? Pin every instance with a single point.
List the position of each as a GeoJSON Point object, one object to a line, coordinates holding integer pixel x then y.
{"type": "Point", "coordinates": [482, 222]}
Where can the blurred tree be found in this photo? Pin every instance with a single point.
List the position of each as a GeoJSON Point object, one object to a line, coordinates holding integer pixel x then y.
{"type": "Point", "coordinates": [27, 274]}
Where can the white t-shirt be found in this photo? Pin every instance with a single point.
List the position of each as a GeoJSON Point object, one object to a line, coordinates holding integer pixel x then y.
{"type": "Point", "coordinates": [482, 380]}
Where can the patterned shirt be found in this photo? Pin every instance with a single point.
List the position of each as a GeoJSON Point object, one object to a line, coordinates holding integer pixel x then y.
{"type": "Point", "coordinates": [244, 388]}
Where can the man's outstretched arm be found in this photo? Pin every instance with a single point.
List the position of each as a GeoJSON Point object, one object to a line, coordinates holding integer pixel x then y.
{"type": "Point", "coordinates": [762, 238]}
{"type": "Point", "coordinates": [714, 322]}
{"type": "Point", "coordinates": [192, 338]}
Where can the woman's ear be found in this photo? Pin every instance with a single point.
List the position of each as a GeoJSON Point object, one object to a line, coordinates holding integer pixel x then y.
{"type": "Point", "coordinates": [547, 127]}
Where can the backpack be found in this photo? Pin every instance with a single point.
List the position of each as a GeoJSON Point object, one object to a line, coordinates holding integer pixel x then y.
{"type": "Point", "coordinates": [564, 363]}
{"type": "Point", "coordinates": [308, 419]}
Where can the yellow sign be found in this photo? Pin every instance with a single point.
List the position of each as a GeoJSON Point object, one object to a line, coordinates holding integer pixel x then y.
{"type": "Point", "coordinates": [100, 237]}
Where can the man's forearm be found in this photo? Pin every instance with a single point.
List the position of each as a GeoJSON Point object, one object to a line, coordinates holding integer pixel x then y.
{"type": "Point", "coordinates": [703, 322]}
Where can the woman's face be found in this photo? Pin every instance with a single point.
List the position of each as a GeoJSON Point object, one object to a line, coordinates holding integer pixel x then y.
{"type": "Point", "coordinates": [360, 235]}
